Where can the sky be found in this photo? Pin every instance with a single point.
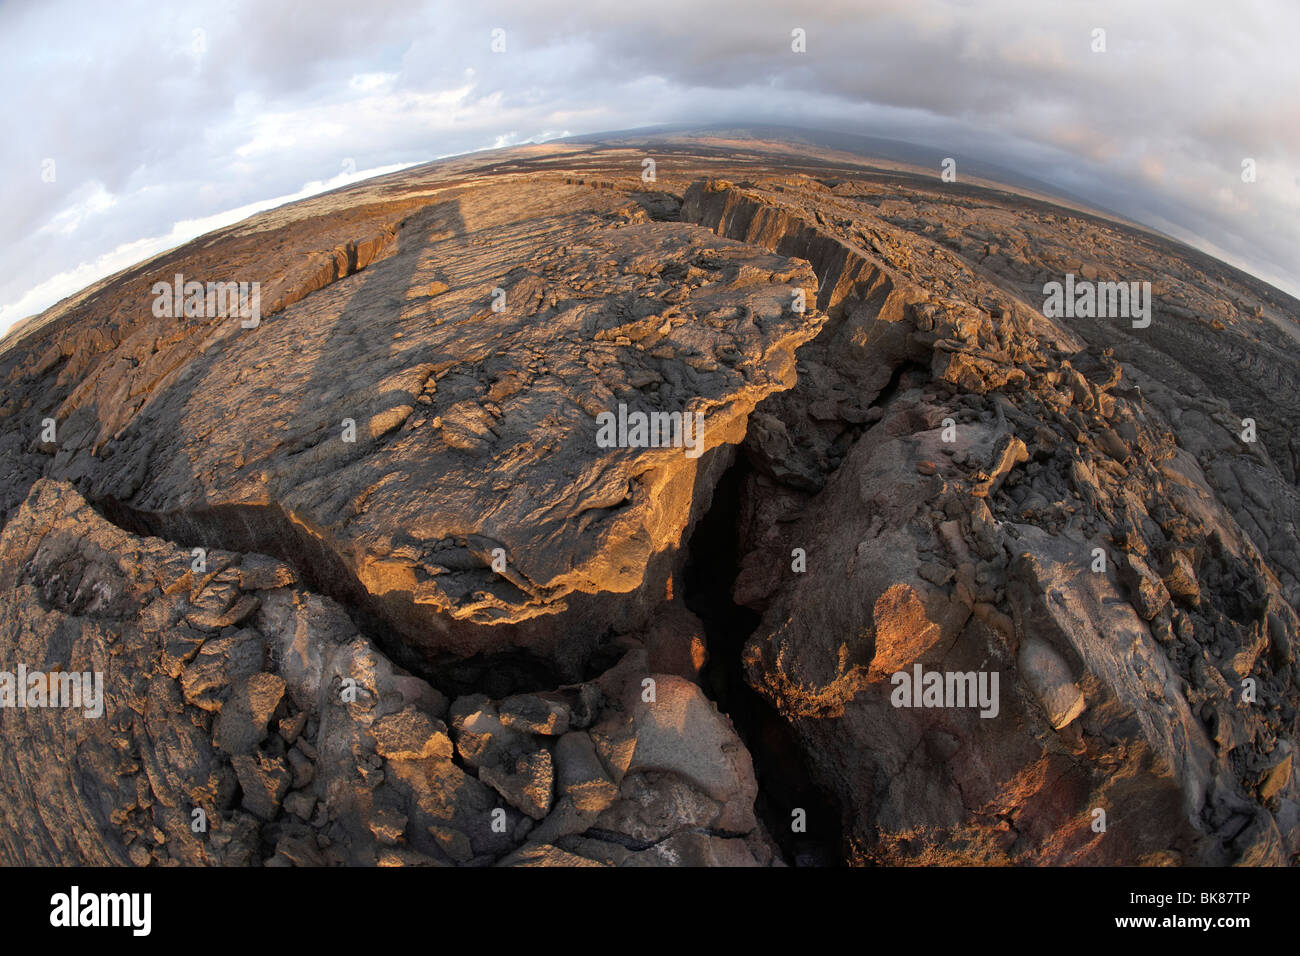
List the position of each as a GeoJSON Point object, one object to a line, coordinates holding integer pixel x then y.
{"type": "Point", "coordinates": [133, 127]}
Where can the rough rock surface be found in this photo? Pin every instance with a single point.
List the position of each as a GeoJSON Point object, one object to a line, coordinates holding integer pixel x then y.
{"type": "Point", "coordinates": [474, 428]}
{"type": "Point", "coordinates": [430, 620]}
{"type": "Point", "coordinates": [957, 523]}
{"type": "Point", "coordinates": [301, 744]}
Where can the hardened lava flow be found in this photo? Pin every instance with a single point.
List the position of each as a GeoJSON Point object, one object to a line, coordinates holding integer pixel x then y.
{"type": "Point", "coordinates": [366, 585]}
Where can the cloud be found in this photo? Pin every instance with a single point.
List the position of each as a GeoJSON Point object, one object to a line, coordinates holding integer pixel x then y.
{"type": "Point", "coordinates": [160, 119]}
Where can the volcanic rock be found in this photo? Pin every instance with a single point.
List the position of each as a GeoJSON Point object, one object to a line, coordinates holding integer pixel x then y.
{"type": "Point", "coordinates": [368, 584]}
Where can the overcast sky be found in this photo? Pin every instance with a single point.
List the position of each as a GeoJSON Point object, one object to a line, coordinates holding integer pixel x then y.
{"type": "Point", "coordinates": [158, 122]}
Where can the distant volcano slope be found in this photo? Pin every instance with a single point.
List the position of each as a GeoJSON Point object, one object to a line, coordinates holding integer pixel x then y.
{"type": "Point", "coordinates": [398, 568]}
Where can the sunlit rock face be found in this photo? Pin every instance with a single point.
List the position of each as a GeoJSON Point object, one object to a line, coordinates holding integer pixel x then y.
{"type": "Point", "coordinates": [776, 511]}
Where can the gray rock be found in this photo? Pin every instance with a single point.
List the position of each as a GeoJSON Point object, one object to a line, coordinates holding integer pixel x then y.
{"type": "Point", "coordinates": [580, 776]}
{"type": "Point", "coordinates": [534, 714]}
{"type": "Point", "coordinates": [681, 732]}
{"type": "Point", "coordinates": [1048, 676]}
{"type": "Point", "coordinates": [242, 723]}
{"type": "Point", "coordinates": [411, 735]}
{"type": "Point", "coordinates": [265, 780]}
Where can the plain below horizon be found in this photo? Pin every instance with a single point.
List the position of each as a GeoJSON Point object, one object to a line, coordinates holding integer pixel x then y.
{"type": "Point", "coordinates": [872, 153]}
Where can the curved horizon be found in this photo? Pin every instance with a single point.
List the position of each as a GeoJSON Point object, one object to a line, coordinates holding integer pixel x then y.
{"type": "Point", "coordinates": [144, 132]}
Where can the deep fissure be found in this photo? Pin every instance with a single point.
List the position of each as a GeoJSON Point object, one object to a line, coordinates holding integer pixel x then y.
{"type": "Point", "coordinates": [785, 784]}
